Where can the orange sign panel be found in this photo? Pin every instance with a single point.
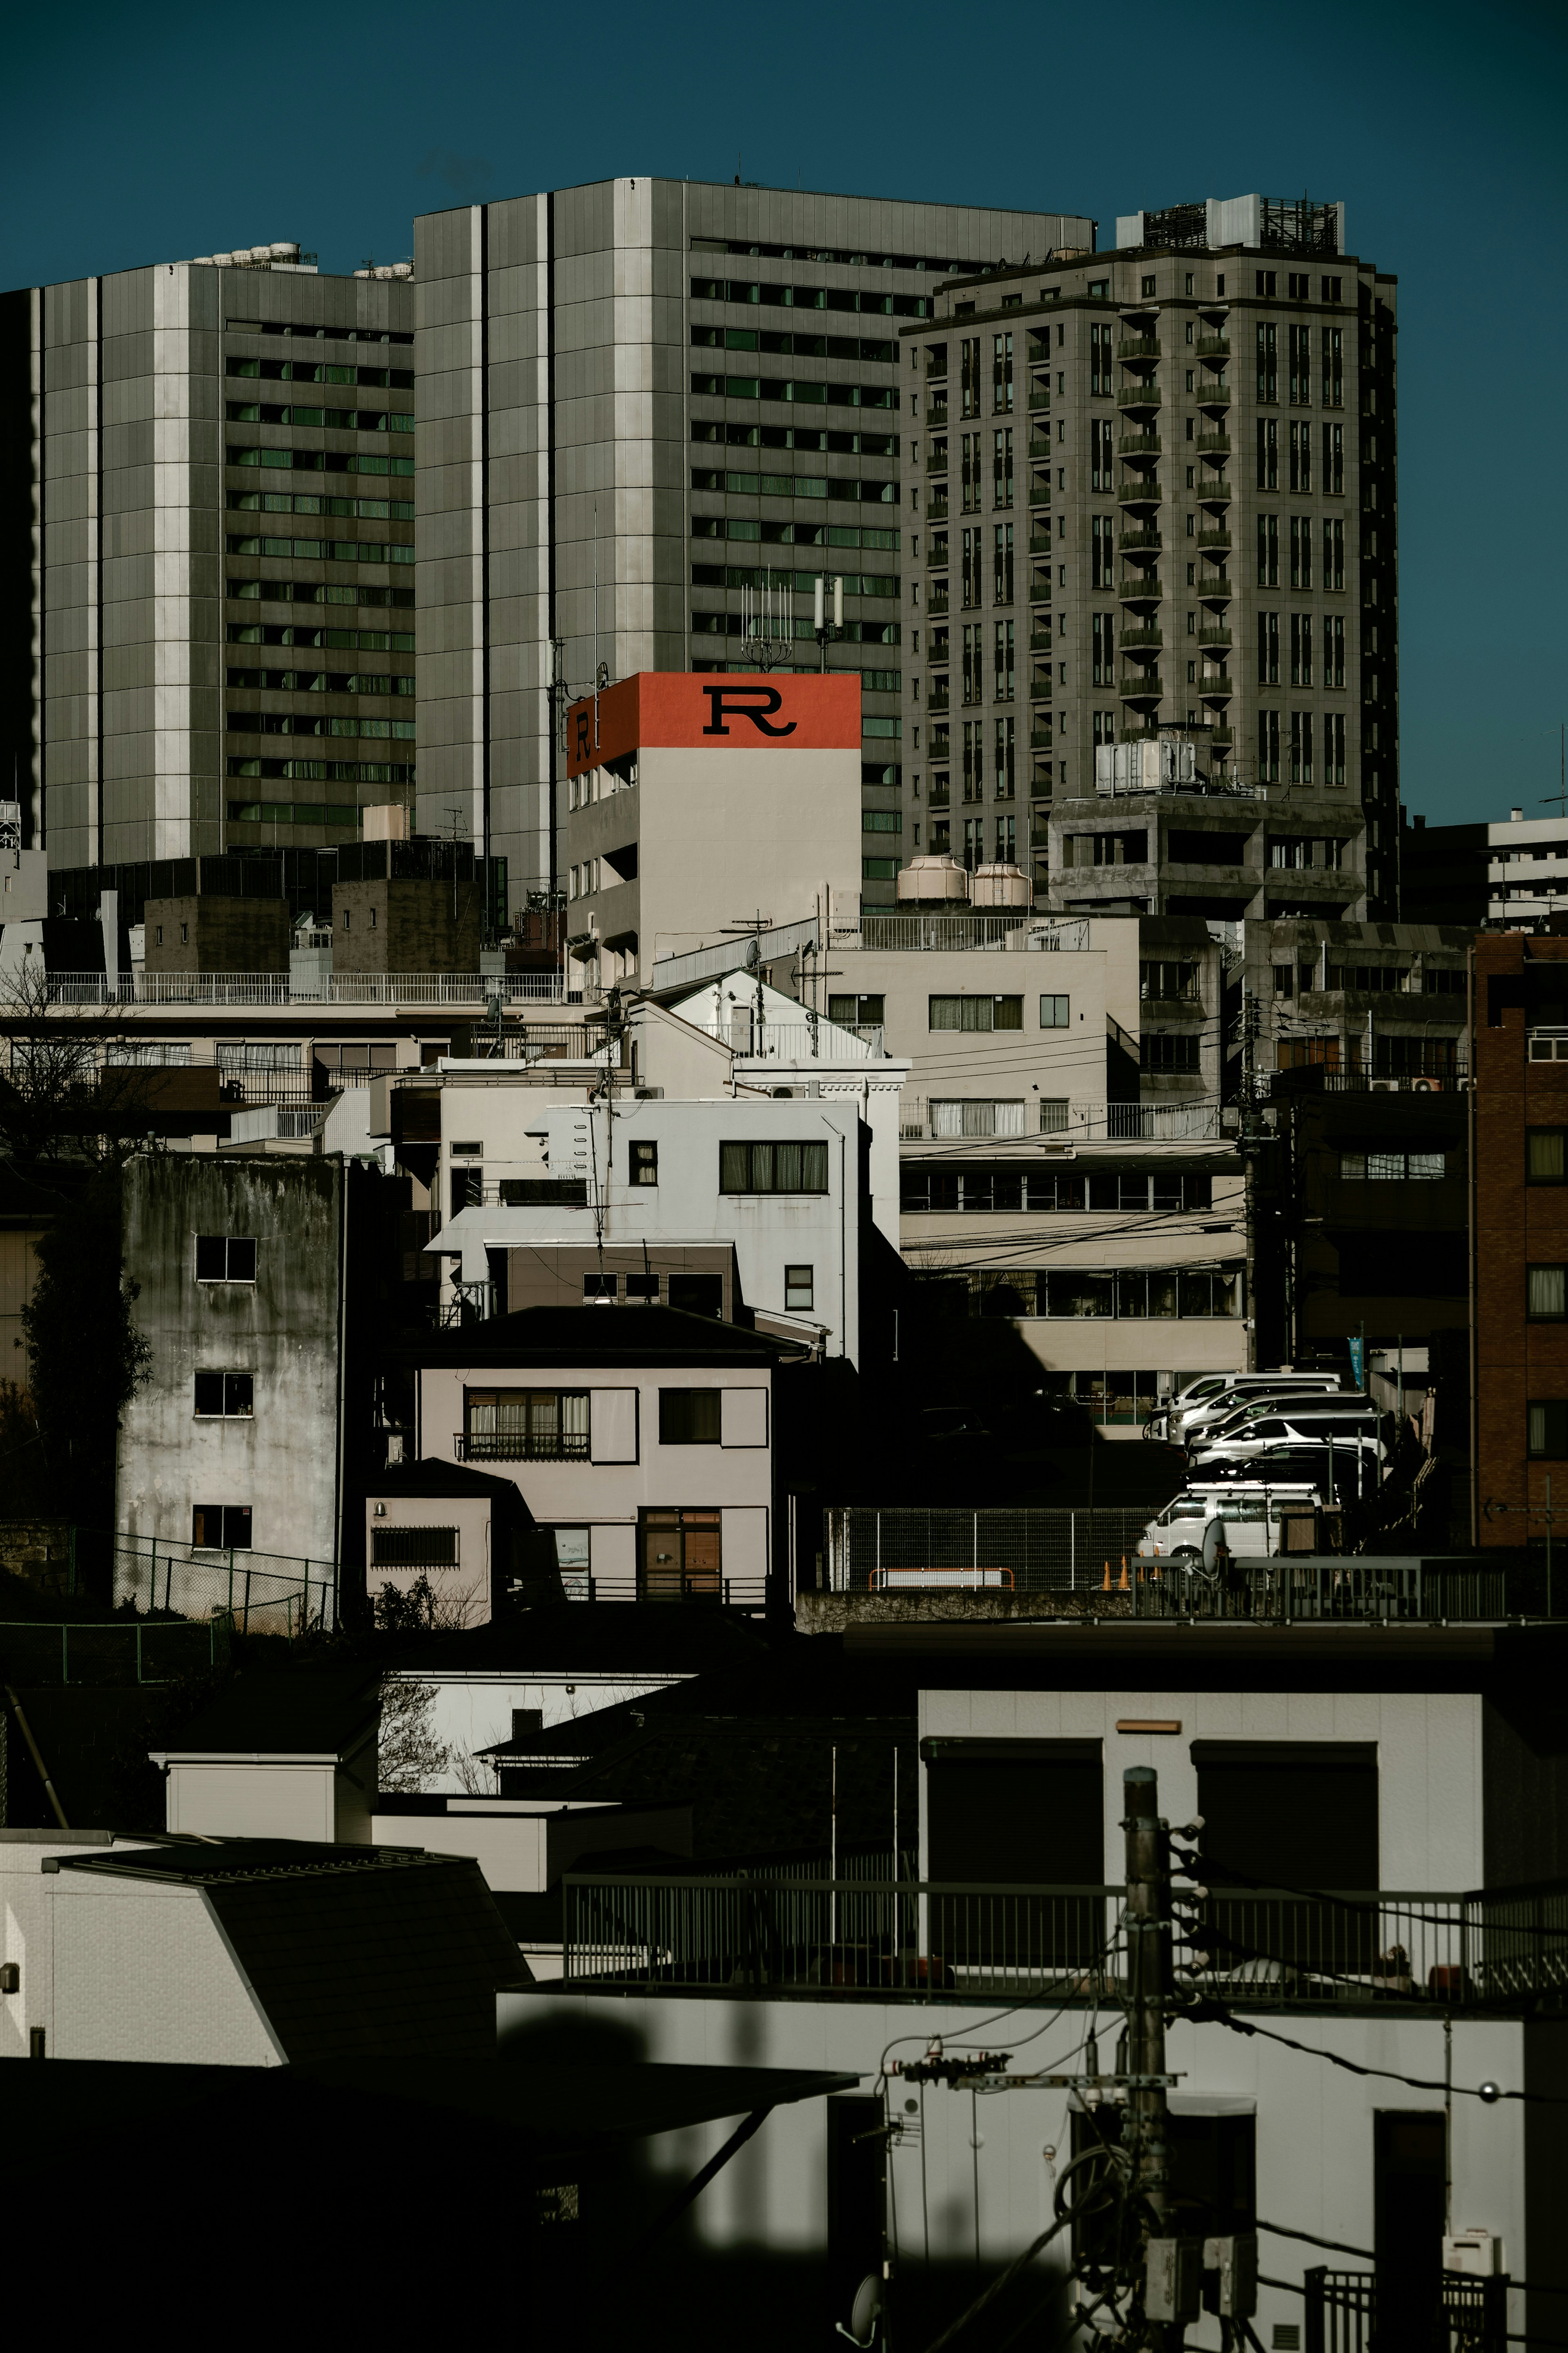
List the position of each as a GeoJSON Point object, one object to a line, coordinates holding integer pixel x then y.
{"type": "Point", "coordinates": [693, 711]}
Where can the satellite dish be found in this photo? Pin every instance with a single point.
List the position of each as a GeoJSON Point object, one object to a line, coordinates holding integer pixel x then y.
{"type": "Point", "coordinates": [754, 954]}
{"type": "Point", "coordinates": [865, 2313]}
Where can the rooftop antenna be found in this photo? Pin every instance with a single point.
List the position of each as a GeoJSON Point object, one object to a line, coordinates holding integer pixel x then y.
{"type": "Point", "coordinates": [767, 621]}
{"type": "Point", "coordinates": [1560, 795]}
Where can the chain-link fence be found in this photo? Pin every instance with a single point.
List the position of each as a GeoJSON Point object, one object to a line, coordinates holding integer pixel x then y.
{"type": "Point", "coordinates": [260, 1592]}
{"type": "Point", "coordinates": [136, 1651]}
{"type": "Point", "coordinates": [1020, 1550]}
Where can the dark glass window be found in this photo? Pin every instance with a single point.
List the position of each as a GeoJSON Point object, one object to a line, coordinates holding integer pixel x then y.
{"type": "Point", "coordinates": [689, 1417]}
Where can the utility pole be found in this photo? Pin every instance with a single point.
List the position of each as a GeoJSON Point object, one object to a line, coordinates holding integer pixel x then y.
{"type": "Point", "coordinates": [1148, 1974]}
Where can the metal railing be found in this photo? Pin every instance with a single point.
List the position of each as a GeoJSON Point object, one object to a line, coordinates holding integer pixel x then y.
{"type": "Point", "coordinates": [1466, 2315]}
{"type": "Point", "coordinates": [945, 928]}
{"type": "Point", "coordinates": [520, 1446]}
{"type": "Point", "coordinates": [1085, 1121]}
{"type": "Point", "coordinates": [219, 988]}
{"type": "Point", "coordinates": [769, 1929]}
{"type": "Point", "coordinates": [260, 1592]}
{"type": "Point", "coordinates": [150, 1651]}
{"type": "Point", "coordinates": [805, 1041]}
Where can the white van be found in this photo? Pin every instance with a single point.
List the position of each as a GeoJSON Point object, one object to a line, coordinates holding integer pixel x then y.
{"type": "Point", "coordinates": [1253, 1517]}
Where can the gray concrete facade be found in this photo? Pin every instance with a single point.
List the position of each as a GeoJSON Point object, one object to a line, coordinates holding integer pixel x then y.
{"type": "Point", "coordinates": [604, 374]}
{"type": "Point", "coordinates": [1158, 490]}
{"type": "Point", "coordinates": [182, 508]}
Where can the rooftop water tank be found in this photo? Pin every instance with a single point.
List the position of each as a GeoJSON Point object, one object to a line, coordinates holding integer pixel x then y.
{"type": "Point", "coordinates": [933, 882]}
{"type": "Point", "coordinates": [1003, 886]}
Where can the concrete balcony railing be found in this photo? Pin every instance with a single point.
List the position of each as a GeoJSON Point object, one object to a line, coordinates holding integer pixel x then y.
{"type": "Point", "coordinates": [219, 988]}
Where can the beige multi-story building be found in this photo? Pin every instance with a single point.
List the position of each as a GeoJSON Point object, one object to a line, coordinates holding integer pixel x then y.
{"type": "Point", "coordinates": [213, 594]}
{"type": "Point", "coordinates": [631, 438]}
{"type": "Point", "coordinates": [1154, 492]}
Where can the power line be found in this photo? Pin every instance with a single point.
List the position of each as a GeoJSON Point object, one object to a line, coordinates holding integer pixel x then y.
{"type": "Point", "coordinates": [1204, 2014]}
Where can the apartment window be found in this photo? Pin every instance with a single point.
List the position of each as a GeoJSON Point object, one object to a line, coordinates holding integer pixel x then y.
{"type": "Point", "coordinates": [1300, 352]}
{"type": "Point", "coordinates": [968, 1116]}
{"type": "Point", "coordinates": [1333, 650]}
{"type": "Point", "coordinates": [1005, 647]}
{"type": "Point", "coordinates": [690, 1416]}
{"type": "Point", "coordinates": [1284, 981]}
{"type": "Point", "coordinates": [1545, 1162]}
{"type": "Point", "coordinates": [525, 1425]}
{"type": "Point", "coordinates": [1268, 454]}
{"type": "Point", "coordinates": [799, 1288]}
{"type": "Point", "coordinates": [1169, 1049]}
{"type": "Point", "coordinates": [1302, 458]}
{"type": "Point", "coordinates": [1101, 454]}
{"type": "Point", "coordinates": [1268, 359]}
{"type": "Point", "coordinates": [1269, 551]}
{"type": "Point", "coordinates": [973, 843]}
{"type": "Point", "coordinates": [1546, 1294]}
{"type": "Point", "coordinates": [1546, 1429]}
{"type": "Point", "coordinates": [1102, 550]}
{"type": "Point", "coordinates": [226, 1258]}
{"type": "Point", "coordinates": [1002, 565]}
{"type": "Point", "coordinates": [1268, 747]}
{"type": "Point", "coordinates": [682, 1556]}
{"type": "Point", "coordinates": [1333, 554]}
{"type": "Point", "coordinates": [1300, 650]}
{"type": "Point", "coordinates": [1100, 358]}
{"type": "Point", "coordinates": [1056, 1012]}
{"type": "Point", "coordinates": [1269, 650]}
{"type": "Point", "coordinates": [1104, 726]}
{"type": "Point", "coordinates": [226, 1396]}
{"type": "Point", "coordinates": [974, 759]}
{"type": "Point", "coordinates": [1300, 747]}
{"type": "Point", "coordinates": [1333, 356]}
{"type": "Point", "coordinates": [972, 460]}
{"type": "Point", "coordinates": [969, 376]}
{"type": "Point", "coordinates": [975, 1013]}
{"type": "Point", "coordinates": [1005, 772]}
{"type": "Point", "coordinates": [857, 1012]}
{"type": "Point", "coordinates": [642, 1162]}
{"type": "Point", "coordinates": [1002, 468]}
{"type": "Point", "coordinates": [601, 1286]}
{"type": "Point", "coordinates": [973, 543]}
{"type": "Point", "coordinates": [1392, 1167]}
{"type": "Point", "coordinates": [1334, 747]}
{"type": "Point", "coordinates": [772, 1167]}
{"type": "Point", "coordinates": [698, 1294]}
{"type": "Point", "coordinates": [224, 1527]}
{"type": "Point", "coordinates": [1264, 286]}
{"type": "Point", "coordinates": [1158, 978]}
{"type": "Point", "coordinates": [1002, 374]}
{"type": "Point", "coordinates": [1102, 647]}
{"type": "Point", "coordinates": [1054, 1114]}
{"type": "Point", "coordinates": [1334, 460]}
{"type": "Point", "coordinates": [1007, 840]}
{"type": "Point", "coordinates": [1300, 551]}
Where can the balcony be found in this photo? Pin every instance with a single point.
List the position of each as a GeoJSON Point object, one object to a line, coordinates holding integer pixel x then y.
{"type": "Point", "coordinates": [1141, 642]}
{"type": "Point", "coordinates": [1038, 400]}
{"type": "Point", "coordinates": [520, 1445]}
{"type": "Point", "coordinates": [938, 699]}
{"type": "Point", "coordinates": [1214, 543]}
{"type": "Point", "coordinates": [1138, 445]}
{"type": "Point", "coordinates": [1214, 491]}
{"type": "Point", "coordinates": [1147, 538]}
{"type": "Point", "coordinates": [1141, 491]}
{"type": "Point", "coordinates": [936, 415]}
{"type": "Point", "coordinates": [936, 460]}
{"type": "Point", "coordinates": [1138, 347]}
{"type": "Point", "coordinates": [936, 601]}
{"type": "Point", "coordinates": [936, 504]}
{"type": "Point", "coordinates": [1041, 739]}
{"type": "Point", "coordinates": [1040, 641]}
{"type": "Point", "coordinates": [1042, 686]}
{"type": "Point", "coordinates": [1149, 590]}
{"type": "Point", "coordinates": [1214, 397]}
{"type": "Point", "coordinates": [1041, 544]}
{"type": "Point", "coordinates": [1039, 447]}
{"type": "Point", "coordinates": [1216, 640]}
{"type": "Point", "coordinates": [1150, 687]}
{"type": "Point", "coordinates": [1040, 490]}
{"type": "Point", "coordinates": [1213, 445]}
{"type": "Point", "coordinates": [1139, 395]}
{"type": "Point", "coordinates": [772, 1929]}
{"type": "Point", "coordinates": [1217, 686]}
{"type": "Point", "coordinates": [1213, 347]}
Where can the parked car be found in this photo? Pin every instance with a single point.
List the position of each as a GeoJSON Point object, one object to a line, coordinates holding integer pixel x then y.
{"type": "Point", "coordinates": [1346, 1469]}
{"type": "Point", "coordinates": [1253, 1515]}
{"type": "Point", "coordinates": [1247, 1389]}
{"type": "Point", "coordinates": [1350, 1430]}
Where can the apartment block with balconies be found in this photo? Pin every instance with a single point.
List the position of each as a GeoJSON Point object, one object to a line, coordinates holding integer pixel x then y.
{"type": "Point", "coordinates": [1162, 505]}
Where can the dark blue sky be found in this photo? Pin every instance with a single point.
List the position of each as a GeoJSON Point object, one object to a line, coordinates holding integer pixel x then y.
{"type": "Point", "coordinates": [135, 136]}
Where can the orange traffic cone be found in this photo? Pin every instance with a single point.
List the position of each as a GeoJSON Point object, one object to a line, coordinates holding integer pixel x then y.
{"type": "Point", "coordinates": [1105, 1580]}
{"type": "Point", "coordinates": [1142, 1572]}
{"type": "Point", "coordinates": [1154, 1574]}
{"type": "Point", "coordinates": [1121, 1586]}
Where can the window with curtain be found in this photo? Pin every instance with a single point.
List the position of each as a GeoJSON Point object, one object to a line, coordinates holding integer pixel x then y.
{"type": "Point", "coordinates": [772, 1167]}
{"type": "Point", "coordinates": [1546, 1294]}
{"type": "Point", "coordinates": [525, 1425]}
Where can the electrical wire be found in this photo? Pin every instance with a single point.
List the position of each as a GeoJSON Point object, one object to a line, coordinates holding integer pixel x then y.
{"type": "Point", "coordinates": [1350, 1902]}
{"type": "Point", "coordinates": [1509, 2336]}
{"type": "Point", "coordinates": [1212, 2013]}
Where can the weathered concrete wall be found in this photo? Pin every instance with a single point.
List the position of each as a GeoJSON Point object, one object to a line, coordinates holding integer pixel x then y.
{"type": "Point", "coordinates": [282, 1329]}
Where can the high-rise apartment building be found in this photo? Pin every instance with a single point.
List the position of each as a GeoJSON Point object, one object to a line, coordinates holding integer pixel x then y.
{"type": "Point", "coordinates": [1156, 492]}
{"type": "Point", "coordinates": [629, 436]}
{"type": "Point", "coordinates": [206, 557]}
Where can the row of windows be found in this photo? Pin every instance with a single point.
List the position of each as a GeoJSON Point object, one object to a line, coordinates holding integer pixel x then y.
{"type": "Point", "coordinates": [737, 436]}
{"type": "Point", "coordinates": [853, 489]}
{"type": "Point", "coordinates": [1068, 1293]}
{"type": "Point", "coordinates": [1301, 767]}
{"type": "Point", "coordinates": [287, 722]}
{"type": "Point", "coordinates": [793, 534]}
{"type": "Point", "coordinates": [993, 1012]}
{"type": "Point", "coordinates": [288, 633]}
{"type": "Point", "coordinates": [315, 813]}
{"type": "Point", "coordinates": [856, 583]}
{"type": "Point", "coordinates": [1372, 979]}
{"type": "Point", "coordinates": [317, 335]}
{"type": "Point", "coordinates": [936, 1189]}
{"type": "Point", "coordinates": [1392, 1167]}
{"type": "Point", "coordinates": [1170, 1050]}
{"type": "Point", "coordinates": [312, 502]}
{"type": "Point", "coordinates": [1298, 444]}
{"type": "Point", "coordinates": [820, 298]}
{"type": "Point", "coordinates": [796, 346]}
{"type": "Point", "coordinates": [811, 392]}
{"type": "Point", "coordinates": [319, 681]}
{"type": "Point", "coordinates": [1304, 632]}
{"type": "Point", "coordinates": [335, 420]}
{"type": "Point", "coordinates": [328, 772]}
{"type": "Point", "coordinates": [321, 372]}
{"type": "Point", "coordinates": [856, 633]}
{"type": "Point", "coordinates": [1301, 549]}
{"type": "Point", "coordinates": [324, 551]}
{"type": "Point", "coordinates": [317, 461]}
{"type": "Point", "coordinates": [318, 592]}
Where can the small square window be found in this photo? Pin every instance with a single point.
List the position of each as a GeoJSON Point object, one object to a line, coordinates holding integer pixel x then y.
{"type": "Point", "coordinates": [1055, 1012]}
{"type": "Point", "coordinates": [1545, 1162]}
{"type": "Point", "coordinates": [644, 1287]}
{"type": "Point", "coordinates": [231, 1395]}
{"type": "Point", "coordinates": [644, 1163]}
{"type": "Point", "coordinates": [689, 1417]}
{"type": "Point", "coordinates": [225, 1258]}
{"type": "Point", "coordinates": [221, 1526]}
{"type": "Point", "coordinates": [1148, 285]}
{"type": "Point", "coordinates": [600, 1286]}
{"type": "Point", "coordinates": [1546, 1294]}
{"type": "Point", "coordinates": [798, 1287]}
